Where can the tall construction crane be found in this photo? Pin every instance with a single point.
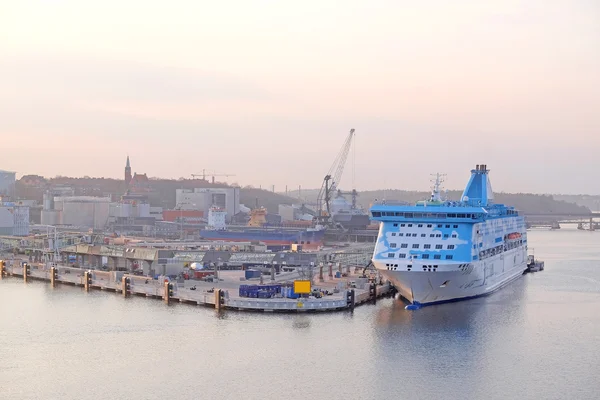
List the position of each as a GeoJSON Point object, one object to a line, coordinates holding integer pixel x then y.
{"type": "Point", "coordinates": [331, 180]}
{"type": "Point", "coordinates": [212, 175]}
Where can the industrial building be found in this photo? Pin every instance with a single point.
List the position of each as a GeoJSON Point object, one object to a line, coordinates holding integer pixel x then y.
{"type": "Point", "coordinates": [78, 211]}
{"type": "Point", "coordinates": [14, 219]}
{"type": "Point", "coordinates": [295, 213]}
{"type": "Point", "coordinates": [202, 199]}
{"type": "Point", "coordinates": [7, 184]}
{"type": "Point", "coordinates": [132, 214]}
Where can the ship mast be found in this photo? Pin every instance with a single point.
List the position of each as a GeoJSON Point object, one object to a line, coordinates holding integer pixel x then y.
{"type": "Point", "coordinates": [435, 189]}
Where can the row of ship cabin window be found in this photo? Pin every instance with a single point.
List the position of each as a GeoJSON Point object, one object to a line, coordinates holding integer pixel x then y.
{"type": "Point", "coordinates": [425, 246]}
{"type": "Point", "coordinates": [499, 249]}
{"type": "Point", "coordinates": [377, 214]}
{"type": "Point", "coordinates": [423, 256]}
{"type": "Point", "coordinates": [394, 267]}
{"type": "Point", "coordinates": [446, 236]}
{"type": "Point", "coordinates": [428, 225]}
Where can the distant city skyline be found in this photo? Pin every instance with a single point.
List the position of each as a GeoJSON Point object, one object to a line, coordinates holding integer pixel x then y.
{"type": "Point", "coordinates": [269, 90]}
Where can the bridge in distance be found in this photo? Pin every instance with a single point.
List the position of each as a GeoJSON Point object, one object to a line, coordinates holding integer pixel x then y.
{"type": "Point", "coordinates": [587, 221]}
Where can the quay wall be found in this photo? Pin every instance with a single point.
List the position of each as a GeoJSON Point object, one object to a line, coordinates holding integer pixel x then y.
{"type": "Point", "coordinates": [148, 287]}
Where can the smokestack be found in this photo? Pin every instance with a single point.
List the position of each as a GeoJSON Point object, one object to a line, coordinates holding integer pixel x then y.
{"type": "Point", "coordinates": [477, 167]}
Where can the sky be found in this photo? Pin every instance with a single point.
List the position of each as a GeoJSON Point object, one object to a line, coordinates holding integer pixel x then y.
{"type": "Point", "coordinates": [268, 90]}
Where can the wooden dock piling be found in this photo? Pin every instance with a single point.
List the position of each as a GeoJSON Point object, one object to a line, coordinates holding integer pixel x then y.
{"type": "Point", "coordinates": [373, 292]}
{"type": "Point", "coordinates": [125, 288]}
{"type": "Point", "coordinates": [218, 299]}
{"type": "Point", "coordinates": [167, 292]}
{"type": "Point", "coordinates": [87, 280]}
{"type": "Point", "coordinates": [53, 276]}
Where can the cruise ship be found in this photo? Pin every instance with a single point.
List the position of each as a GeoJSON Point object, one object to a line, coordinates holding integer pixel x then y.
{"type": "Point", "coordinates": [439, 251]}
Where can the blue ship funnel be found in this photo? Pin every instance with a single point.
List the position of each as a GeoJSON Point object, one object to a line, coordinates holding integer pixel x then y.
{"type": "Point", "coordinates": [479, 189]}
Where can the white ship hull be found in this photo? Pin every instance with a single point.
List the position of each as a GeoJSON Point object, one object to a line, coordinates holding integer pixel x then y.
{"type": "Point", "coordinates": [455, 281]}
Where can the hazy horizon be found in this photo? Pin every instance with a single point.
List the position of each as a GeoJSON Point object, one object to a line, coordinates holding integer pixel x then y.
{"type": "Point", "coordinates": [269, 90]}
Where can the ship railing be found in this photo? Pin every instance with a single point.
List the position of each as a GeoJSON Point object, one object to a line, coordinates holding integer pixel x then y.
{"type": "Point", "coordinates": [391, 203]}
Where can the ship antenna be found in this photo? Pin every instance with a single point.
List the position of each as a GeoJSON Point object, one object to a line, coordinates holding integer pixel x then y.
{"type": "Point", "coordinates": [435, 189]}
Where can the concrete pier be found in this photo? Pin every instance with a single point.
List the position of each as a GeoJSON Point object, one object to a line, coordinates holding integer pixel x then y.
{"type": "Point", "coordinates": [223, 297]}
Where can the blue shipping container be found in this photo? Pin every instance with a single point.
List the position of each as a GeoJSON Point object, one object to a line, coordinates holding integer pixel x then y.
{"type": "Point", "coordinates": [251, 273]}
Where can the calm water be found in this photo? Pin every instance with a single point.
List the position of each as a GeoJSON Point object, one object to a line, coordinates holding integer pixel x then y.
{"type": "Point", "coordinates": [536, 339]}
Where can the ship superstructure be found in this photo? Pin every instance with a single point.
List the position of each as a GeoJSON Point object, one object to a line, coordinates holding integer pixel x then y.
{"type": "Point", "coordinates": [438, 250]}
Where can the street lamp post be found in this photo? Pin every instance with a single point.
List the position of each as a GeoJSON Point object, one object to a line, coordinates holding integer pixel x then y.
{"type": "Point", "coordinates": [273, 270]}
{"type": "Point", "coordinates": [181, 222]}
{"type": "Point", "coordinates": [217, 268]}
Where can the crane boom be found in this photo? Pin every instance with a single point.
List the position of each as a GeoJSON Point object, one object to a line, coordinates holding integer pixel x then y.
{"type": "Point", "coordinates": [332, 179]}
{"type": "Point", "coordinates": [341, 160]}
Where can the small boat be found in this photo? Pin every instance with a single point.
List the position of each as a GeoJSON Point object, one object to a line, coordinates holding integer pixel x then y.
{"type": "Point", "coordinates": [534, 265]}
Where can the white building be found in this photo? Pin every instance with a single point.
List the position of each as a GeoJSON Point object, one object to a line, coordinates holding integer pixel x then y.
{"type": "Point", "coordinates": [7, 183]}
{"type": "Point", "coordinates": [216, 218]}
{"type": "Point", "coordinates": [294, 212]}
{"type": "Point", "coordinates": [79, 211]}
{"type": "Point", "coordinates": [129, 210]}
{"type": "Point", "coordinates": [14, 220]}
{"type": "Point", "coordinates": [203, 199]}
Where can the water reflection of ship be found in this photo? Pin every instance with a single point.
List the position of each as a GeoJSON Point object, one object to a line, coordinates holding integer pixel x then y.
{"type": "Point", "coordinates": [443, 340]}
{"type": "Point", "coordinates": [454, 316]}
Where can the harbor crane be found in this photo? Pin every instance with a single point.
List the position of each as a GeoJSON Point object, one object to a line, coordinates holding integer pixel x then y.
{"type": "Point", "coordinates": [330, 182]}
{"type": "Point", "coordinates": [212, 175]}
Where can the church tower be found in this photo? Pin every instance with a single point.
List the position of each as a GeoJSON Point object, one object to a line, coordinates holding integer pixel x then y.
{"type": "Point", "coordinates": [127, 172]}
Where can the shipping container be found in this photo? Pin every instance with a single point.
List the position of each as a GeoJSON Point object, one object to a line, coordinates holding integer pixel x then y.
{"type": "Point", "coordinates": [250, 274]}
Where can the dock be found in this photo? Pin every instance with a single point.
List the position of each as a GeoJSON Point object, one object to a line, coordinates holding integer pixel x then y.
{"type": "Point", "coordinates": [221, 295]}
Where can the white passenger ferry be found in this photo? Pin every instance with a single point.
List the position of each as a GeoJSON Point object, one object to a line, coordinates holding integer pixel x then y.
{"type": "Point", "coordinates": [438, 251]}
